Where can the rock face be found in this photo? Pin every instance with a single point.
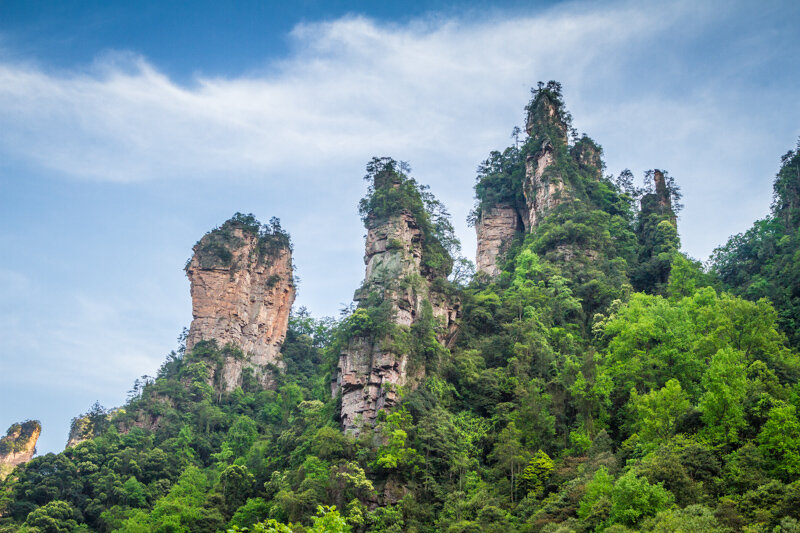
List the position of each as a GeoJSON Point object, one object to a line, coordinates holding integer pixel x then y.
{"type": "Point", "coordinates": [18, 446]}
{"type": "Point", "coordinates": [661, 200]}
{"type": "Point", "coordinates": [81, 429]}
{"type": "Point", "coordinates": [242, 292]}
{"type": "Point", "coordinates": [375, 364]}
{"type": "Point", "coordinates": [543, 187]}
{"type": "Point", "coordinates": [496, 228]}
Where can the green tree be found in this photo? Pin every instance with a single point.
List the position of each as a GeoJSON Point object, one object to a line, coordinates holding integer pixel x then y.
{"type": "Point", "coordinates": [329, 520]}
{"type": "Point", "coordinates": [535, 475]}
{"type": "Point", "coordinates": [596, 502]}
{"type": "Point", "coordinates": [779, 440]}
{"type": "Point", "coordinates": [725, 383]}
{"type": "Point", "coordinates": [633, 499]}
{"type": "Point", "coordinates": [510, 455]}
{"type": "Point", "coordinates": [56, 516]}
{"type": "Point", "coordinates": [657, 412]}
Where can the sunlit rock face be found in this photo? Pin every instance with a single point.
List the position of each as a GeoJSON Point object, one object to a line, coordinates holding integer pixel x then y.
{"type": "Point", "coordinates": [18, 446]}
{"type": "Point", "coordinates": [242, 289]}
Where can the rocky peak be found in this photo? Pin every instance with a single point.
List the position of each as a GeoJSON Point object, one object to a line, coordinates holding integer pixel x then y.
{"type": "Point", "coordinates": [659, 202]}
{"type": "Point", "coordinates": [242, 289]}
{"type": "Point", "coordinates": [588, 155]}
{"type": "Point", "coordinates": [539, 177]}
{"type": "Point", "coordinates": [546, 114]}
{"type": "Point", "coordinates": [400, 292]}
{"type": "Point", "coordinates": [19, 445]}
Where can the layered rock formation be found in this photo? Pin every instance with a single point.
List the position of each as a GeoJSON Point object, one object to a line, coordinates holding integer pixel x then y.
{"type": "Point", "coordinates": [496, 228]}
{"type": "Point", "coordinates": [543, 187]}
{"type": "Point", "coordinates": [379, 360]}
{"type": "Point", "coordinates": [18, 446]}
{"type": "Point", "coordinates": [242, 289]}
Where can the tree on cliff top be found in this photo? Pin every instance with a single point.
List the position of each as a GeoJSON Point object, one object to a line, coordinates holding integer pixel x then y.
{"type": "Point", "coordinates": [392, 192]}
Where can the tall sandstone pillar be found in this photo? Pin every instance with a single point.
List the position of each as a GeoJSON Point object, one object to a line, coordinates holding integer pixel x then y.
{"type": "Point", "coordinates": [242, 289]}
{"type": "Point", "coordinates": [373, 365]}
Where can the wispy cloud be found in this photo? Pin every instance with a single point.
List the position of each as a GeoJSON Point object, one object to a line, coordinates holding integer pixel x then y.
{"type": "Point", "coordinates": [438, 92]}
{"type": "Point", "coordinates": [350, 87]}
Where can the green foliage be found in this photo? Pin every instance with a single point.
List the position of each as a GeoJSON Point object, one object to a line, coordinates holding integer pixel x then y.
{"type": "Point", "coordinates": [217, 247]}
{"type": "Point", "coordinates": [535, 475]}
{"type": "Point", "coordinates": [567, 401]}
{"type": "Point", "coordinates": [396, 455]}
{"type": "Point", "coordinates": [657, 412]}
{"type": "Point", "coordinates": [721, 405]}
{"type": "Point", "coordinates": [633, 499]}
{"type": "Point", "coordinates": [54, 517]}
{"type": "Point", "coordinates": [779, 440]}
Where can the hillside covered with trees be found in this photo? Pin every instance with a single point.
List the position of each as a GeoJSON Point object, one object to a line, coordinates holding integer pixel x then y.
{"type": "Point", "coordinates": [599, 380]}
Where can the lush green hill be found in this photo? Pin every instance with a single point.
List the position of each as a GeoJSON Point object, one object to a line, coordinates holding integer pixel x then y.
{"type": "Point", "coordinates": [602, 382]}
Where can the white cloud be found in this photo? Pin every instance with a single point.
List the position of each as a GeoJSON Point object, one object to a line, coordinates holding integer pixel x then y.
{"type": "Point", "coordinates": [440, 93]}
{"type": "Point", "coordinates": [351, 87]}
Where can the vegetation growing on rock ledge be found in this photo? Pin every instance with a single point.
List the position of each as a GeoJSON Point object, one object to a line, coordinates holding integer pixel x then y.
{"type": "Point", "coordinates": [393, 192]}
{"type": "Point", "coordinates": [216, 248]}
{"type": "Point", "coordinates": [603, 381]}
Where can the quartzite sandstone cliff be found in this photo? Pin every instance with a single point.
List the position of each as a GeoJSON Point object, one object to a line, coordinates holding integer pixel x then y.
{"type": "Point", "coordinates": [543, 187]}
{"type": "Point", "coordinates": [496, 228]}
{"type": "Point", "coordinates": [371, 367]}
{"type": "Point", "coordinates": [242, 289]}
{"type": "Point", "coordinates": [18, 446]}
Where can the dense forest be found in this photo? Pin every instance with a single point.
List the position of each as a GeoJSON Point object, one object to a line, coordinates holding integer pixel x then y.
{"type": "Point", "coordinates": [603, 381]}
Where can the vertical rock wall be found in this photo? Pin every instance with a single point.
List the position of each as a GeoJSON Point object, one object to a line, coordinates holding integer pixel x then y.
{"type": "Point", "coordinates": [543, 188]}
{"type": "Point", "coordinates": [242, 292]}
{"type": "Point", "coordinates": [371, 367]}
{"type": "Point", "coordinates": [496, 228]}
{"type": "Point", "coordinates": [18, 446]}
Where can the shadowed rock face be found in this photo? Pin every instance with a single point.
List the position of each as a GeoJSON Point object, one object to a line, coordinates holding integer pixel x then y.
{"type": "Point", "coordinates": [496, 228]}
{"type": "Point", "coordinates": [371, 370]}
{"type": "Point", "coordinates": [18, 446]}
{"type": "Point", "coordinates": [242, 292]}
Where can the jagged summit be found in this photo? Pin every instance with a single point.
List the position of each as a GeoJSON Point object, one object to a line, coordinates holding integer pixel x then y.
{"type": "Point", "coordinates": [242, 289]}
{"type": "Point", "coordinates": [547, 174]}
{"type": "Point", "coordinates": [517, 188]}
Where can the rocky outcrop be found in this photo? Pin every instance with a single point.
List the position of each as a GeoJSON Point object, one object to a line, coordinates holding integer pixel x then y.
{"type": "Point", "coordinates": [242, 289]}
{"type": "Point", "coordinates": [543, 187]}
{"type": "Point", "coordinates": [496, 228]}
{"type": "Point", "coordinates": [380, 359]}
{"type": "Point", "coordinates": [545, 117]}
{"type": "Point", "coordinates": [81, 429]}
{"type": "Point", "coordinates": [18, 446]}
{"type": "Point", "coordinates": [660, 201]}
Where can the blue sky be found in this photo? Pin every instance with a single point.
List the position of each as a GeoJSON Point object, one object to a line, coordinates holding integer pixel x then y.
{"type": "Point", "coordinates": [130, 129]}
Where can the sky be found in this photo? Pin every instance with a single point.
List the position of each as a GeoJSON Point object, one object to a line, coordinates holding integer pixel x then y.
{"type": "Point", "coordinates": [129, 129]}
